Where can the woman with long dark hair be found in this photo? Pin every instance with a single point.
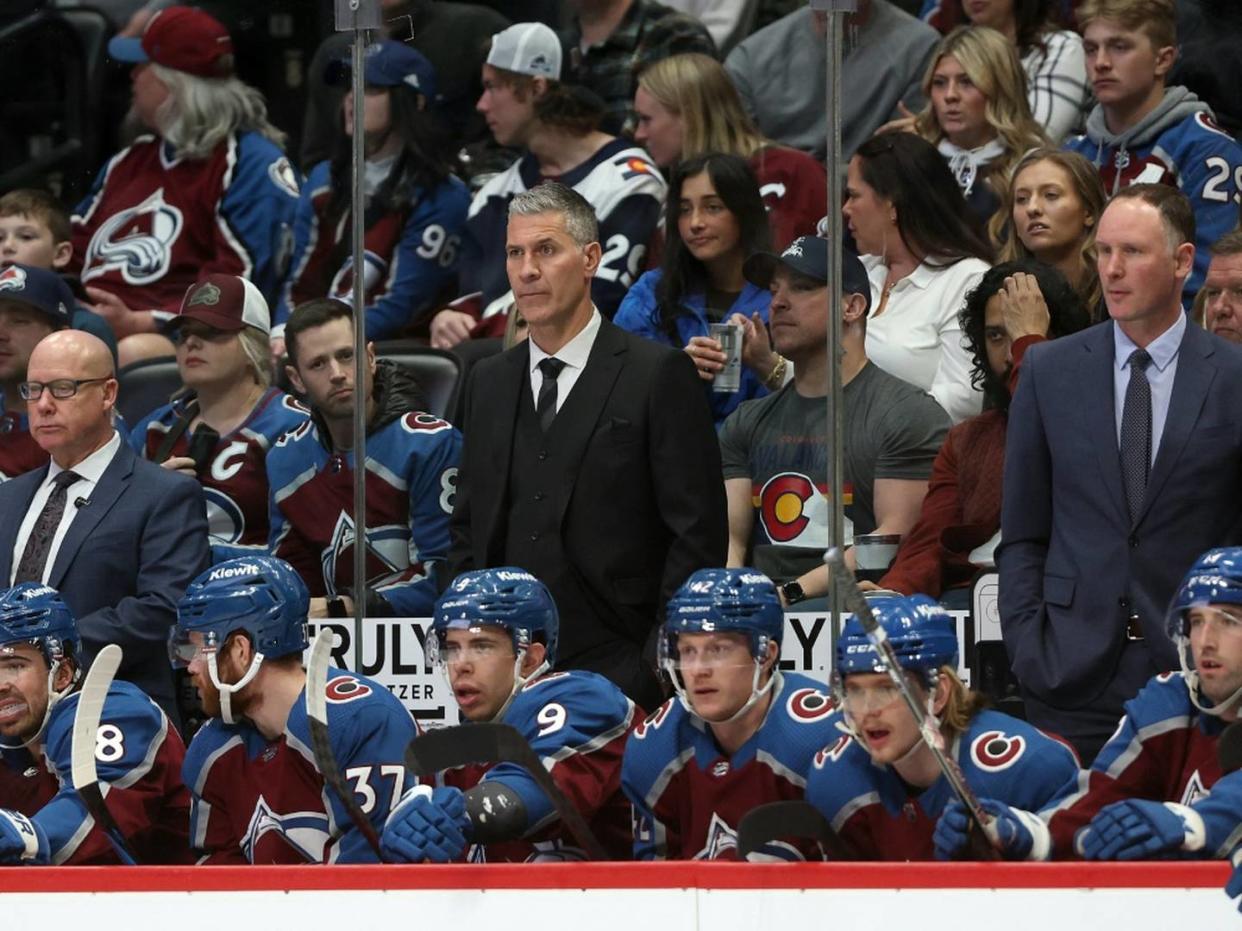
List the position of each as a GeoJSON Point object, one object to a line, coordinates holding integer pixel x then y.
{"type": "Point", "coordinates": [415, 207]}
{"type": "Point", "coordinates": [923, 251]}
{"type": "Point", "coordinates": [714, 220]}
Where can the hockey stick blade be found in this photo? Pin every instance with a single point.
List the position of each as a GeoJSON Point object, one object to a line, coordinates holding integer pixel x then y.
{"type": "Point", "coordinates": [91, 698]}
{"type": "Point", "coordinates": [450, 747]}
{"type": "Point", "coordinates": [774, 820]}
{"type": "Point", "coordinates": [321, 745]}
{"type": "Point", "coordinates": [847, 584]}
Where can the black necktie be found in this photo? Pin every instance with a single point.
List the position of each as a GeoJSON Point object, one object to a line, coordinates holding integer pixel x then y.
{"type": "Point", "coordinates": [39, 544]}
{"type": "Point", "coordinates": [545, 406]}
{"type": "Point", "coordinates": [1136, 433]}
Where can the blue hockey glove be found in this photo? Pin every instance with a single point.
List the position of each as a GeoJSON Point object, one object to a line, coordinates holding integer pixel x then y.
{"type": "Point", "coordinates": [426, 827]}
{"type": "Point", "coordinates": [1023, 836]}
{"type": "Point", "coordinates": [1137, 829]}
{"type": "Point", "coordinates": [21, 840]}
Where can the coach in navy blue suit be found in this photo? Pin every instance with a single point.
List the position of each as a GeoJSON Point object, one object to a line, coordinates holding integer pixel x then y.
{"type": "Point", "coordinates": [1120, 469]}
{"type": "Point", "coordinates": [119, 537]}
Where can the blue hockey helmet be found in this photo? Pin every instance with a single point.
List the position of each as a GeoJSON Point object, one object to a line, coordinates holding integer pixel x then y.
{"type": "Point", "coordinates": [32, 612]}
{"type": "Point", "coordinates": [922, 633]}
{"type": "Point", "coordinates": [1215, 578]}
{"type": "Point", "coordinates": [260, 595]}
{"type": "Point", "coordinates": [505, 597]}
{"type": "Point", "coordinates": [726, 601]}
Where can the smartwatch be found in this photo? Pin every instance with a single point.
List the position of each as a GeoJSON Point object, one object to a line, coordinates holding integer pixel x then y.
{"type": "Point", "coordinates": [792, 592]}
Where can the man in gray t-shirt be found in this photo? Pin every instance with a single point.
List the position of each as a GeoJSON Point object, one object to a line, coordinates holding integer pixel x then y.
{"type": "Point", "coordinates": [775, 449]}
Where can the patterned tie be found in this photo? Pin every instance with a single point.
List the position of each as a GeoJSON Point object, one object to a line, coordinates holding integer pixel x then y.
{"type": "Point", "coordinates": [1136, 433]}
{"type": "Point", "coordinates": [545, 407]}
{"type": "Point", "coordinates": [39, 544]}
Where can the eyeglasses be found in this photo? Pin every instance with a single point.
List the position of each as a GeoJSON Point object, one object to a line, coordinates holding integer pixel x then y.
{"type": "Point", "coordinates": [62, 388]}
{"type": "Point", "coordinates": [204, 333]}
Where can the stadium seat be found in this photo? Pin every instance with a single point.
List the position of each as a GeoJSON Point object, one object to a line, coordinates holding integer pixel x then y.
{"type": "Point", "coordinates": [146, 385]}
{"type": "Point", "coordinates": [438, 372]}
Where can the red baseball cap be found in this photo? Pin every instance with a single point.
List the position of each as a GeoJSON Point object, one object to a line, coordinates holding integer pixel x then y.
{"type": "Point", "coordinates": [183, 38]}
{"type": "Point", "coordinates": [225, 302]}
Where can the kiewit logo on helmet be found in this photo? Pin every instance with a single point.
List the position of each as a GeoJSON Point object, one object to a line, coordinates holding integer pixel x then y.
{"type": "Point", "coordinates": [38, 592]}
{"type": "Point", "coordinates": [231, 572]}
{"type": "Point", "coordinates": [515, 576]}
{"type": "Point", "coordinates": [752, 579]}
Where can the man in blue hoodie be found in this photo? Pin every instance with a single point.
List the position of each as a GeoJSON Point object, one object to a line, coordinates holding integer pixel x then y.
{"type": "Point", "coordinates": [1141, 131]}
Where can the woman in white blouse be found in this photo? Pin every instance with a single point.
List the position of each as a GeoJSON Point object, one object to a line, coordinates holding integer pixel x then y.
{"type": "Point", "coordinates": [923, 252]}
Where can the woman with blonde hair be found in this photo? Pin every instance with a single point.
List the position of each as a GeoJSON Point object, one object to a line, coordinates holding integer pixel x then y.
{"type": "Point", "coordinates": [977, 115]}
{"type": "Point", "coordinates": [687, 106]}
{"type": "Point", "coordinates": [1052, 203]}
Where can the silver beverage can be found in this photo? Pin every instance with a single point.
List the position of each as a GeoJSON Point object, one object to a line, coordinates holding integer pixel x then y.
{"type": "Point", "coordinates": [729, 335]}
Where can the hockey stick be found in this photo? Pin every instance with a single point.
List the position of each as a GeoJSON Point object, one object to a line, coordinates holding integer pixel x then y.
{"type": "Point", "coordinates": [766, 823]}
{"type": "Point", "coordinates": [91, 698]}
{"type": "Point", "coordinates": [450, 747]}
{"type": "Point", "coordinates": [321, 746]}
{"type": "Point", "coordinates": [855, 601]}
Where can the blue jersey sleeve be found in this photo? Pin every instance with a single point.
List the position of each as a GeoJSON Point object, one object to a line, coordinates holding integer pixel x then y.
{"type": "Point", "coordinates": [651, 747]}
{"type": "Point", "coordinates": [131, 730]}
{"type": "Point", "coordinates": [425, 260]}
{"type": "Point", "coordinates": [576, 723]}
{"type": "Point", "coordinates": [1210, 169]}
{"type": "Point", "coordinates": [257, 211]}
{"type": "Point", "coordinates": [638, 313]}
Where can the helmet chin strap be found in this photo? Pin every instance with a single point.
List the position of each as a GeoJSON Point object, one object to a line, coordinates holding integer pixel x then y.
{"type": "Point", "coordinates": [53, 697]}
{"type": "Point", "coordinates": [226, 690]}
{"type": "Point", "coordinates": [1192, 686]}
{"type": "Point", "coordinates": [518, 681]}
{"type": "Point", "coordinates": [756, 693]}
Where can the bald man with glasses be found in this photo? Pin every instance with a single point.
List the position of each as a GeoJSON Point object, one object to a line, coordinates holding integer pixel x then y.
{"type": "Point", "coordinates": [120, 538]}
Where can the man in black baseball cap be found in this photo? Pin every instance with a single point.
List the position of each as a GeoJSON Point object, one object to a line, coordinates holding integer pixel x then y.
{"type": "Point", "coordinates": [33, 303]}
{"type": "Point", "coordinates": [775, 449]}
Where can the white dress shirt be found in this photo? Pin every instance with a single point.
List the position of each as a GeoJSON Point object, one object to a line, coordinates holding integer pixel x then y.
{"type": "Point", "coordinates": [574, 354]}
{"type": "Point", "coordinates": [1160, 373]}
{"type": "Point", "coordinates": [918, 338]}
{"type": "Point", "coordinates": [90, 470]}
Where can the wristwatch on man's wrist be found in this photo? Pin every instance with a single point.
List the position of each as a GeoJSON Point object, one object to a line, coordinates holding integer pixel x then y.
{"type": "Point", "coordinates": [792, 592]}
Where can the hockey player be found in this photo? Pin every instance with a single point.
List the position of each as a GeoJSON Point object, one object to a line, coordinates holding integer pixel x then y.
{"type": "Point", "coordinates": [739, 733]}
{"type": "Point", "coordinates": [879, 785]}
{"type": "Point", "coordinates": [220, 428]}
{"type": "Point", "coordinates": [494, 635]}
{"type": "Point", "coordinates": [1141, 131]}
{"type": "Point", "coordinates": [207, 190]}
{"type": "Point", "coordinates": [411, 475]}
{"type": "Point", "coordinates": [137, 754]}
{"type": "Point", "coordinates": [528, 106]}
{"type": "Point", "coordinates": [257, 793]}
{"type": "Point", "coordinates": [1155, 790]}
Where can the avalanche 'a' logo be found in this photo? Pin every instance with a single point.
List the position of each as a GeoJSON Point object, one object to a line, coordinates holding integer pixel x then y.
{"type": "Point", "coordinates": [306, 832]}
{"type": "Point", "coordinates": [721, 841]}
{"type": "Point", "coordinates": [794, 510]}
{"type": "Point", "coordinates": [833, 751]}
{"type": "Point", "coordinates": [13, 279]}
{"type": "Point", "coordinates": [375, 272]}
{"type": "Point", "coordinates": [993, 751]}
{"type": "Point", "coordinates": [1195, 789]}
{"type": "Point", "coordinates": [385, 557]}
{"type": "Point", "coordinates": [137, 242]}
{"type": "Point", "coordinates": [653, 720]}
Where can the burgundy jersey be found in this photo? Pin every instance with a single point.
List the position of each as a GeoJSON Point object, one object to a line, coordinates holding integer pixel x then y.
{"type": "Point", "coordinates": [19, 453]}
{"type": "Point", "coordinates": [235, 478]}
{"type": "Point", "coordinates": [794, 188]}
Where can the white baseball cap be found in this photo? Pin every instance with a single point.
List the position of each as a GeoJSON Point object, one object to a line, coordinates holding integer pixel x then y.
{"type": "Point", "coordinates": [527, 48]}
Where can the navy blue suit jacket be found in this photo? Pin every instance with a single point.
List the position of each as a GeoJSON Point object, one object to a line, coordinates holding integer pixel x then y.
{"type": "Point", "coordinates": [1073, 565]}
{"type": "Point", "coordinates": [125, 562]}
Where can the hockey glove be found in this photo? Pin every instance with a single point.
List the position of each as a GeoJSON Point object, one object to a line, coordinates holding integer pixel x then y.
{"type": "Point", "coordinates": [1023, 835]}
{"type": "Point", "coordinates": [1137, 829]}
{"type": "Point", "coordinates": [21, 840]}
{"type": "Point", "coordinates": [426, 826]}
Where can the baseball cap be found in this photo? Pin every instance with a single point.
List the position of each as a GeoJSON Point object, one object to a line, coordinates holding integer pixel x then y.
{"type": "Point", "coordinates": [43, 290]}
{"type": "Point", "coordinates": [808, 255]}
{"type": "Point", "coordinates": [225, 302]}
{"type": "Point", "coordinates": [527, 48]}
{"type": "Point", "coordinates": [182, 38]}
{"type": "Point", "coordinates": [388, 63]}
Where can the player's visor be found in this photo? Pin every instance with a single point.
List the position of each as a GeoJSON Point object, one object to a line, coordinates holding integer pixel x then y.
{"type": "Point", "coordinates": [186, 646]}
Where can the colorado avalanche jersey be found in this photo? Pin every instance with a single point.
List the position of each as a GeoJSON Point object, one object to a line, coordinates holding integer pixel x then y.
{"type": "Point", "coordinates": [577, 724]}
{"type": "Point", "coordinates": [794, 188]}
{"type": "Point", "coordinates": [689, 796]}
{"type": "Point", "coordinates": [411, 477]}
{"type": "Point", "coordinates": [235, 479]}
{"type": "Point", "coordinates": [153, 224]}
{"type": "Point", "coordinates": [1195, 156]}
{"type": "Point", "coordinates": [884, 818]}
{"type": "Point", "coordinates": [619, 181]}
{"type": "Point", "coordinates": [19, 453]}
{"type": "Point", "coordinates": [1163, 750]}
{"type": "Point", "coordinates": [137, 755]}
{"type": "Point", "coordinates": [411, 254]}
{"type": "Point", "coordinates": [260, 801]}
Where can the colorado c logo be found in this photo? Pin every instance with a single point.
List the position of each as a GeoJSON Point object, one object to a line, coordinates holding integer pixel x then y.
{"type": "Point", "coordinates": [808, 705]}
{"type": "Point", "coordinates": [993, 751]}
{"type": "Point", "coordinates": [344, 689]}
{"type": "Point", "coordinates": [794, 510]}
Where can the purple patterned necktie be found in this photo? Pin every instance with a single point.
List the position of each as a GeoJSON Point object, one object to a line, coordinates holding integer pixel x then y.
{"type": "Point", "coordinates": [39, 544]}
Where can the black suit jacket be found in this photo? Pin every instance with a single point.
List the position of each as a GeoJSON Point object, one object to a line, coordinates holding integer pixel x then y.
{"type": "Point", "coordinates": [125, 562]}
{"type": "Point", "coordinates": [641, 500]}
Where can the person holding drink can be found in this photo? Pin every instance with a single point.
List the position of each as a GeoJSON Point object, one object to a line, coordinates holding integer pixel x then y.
{"type": "Point", "coordinates": [698, 299]}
